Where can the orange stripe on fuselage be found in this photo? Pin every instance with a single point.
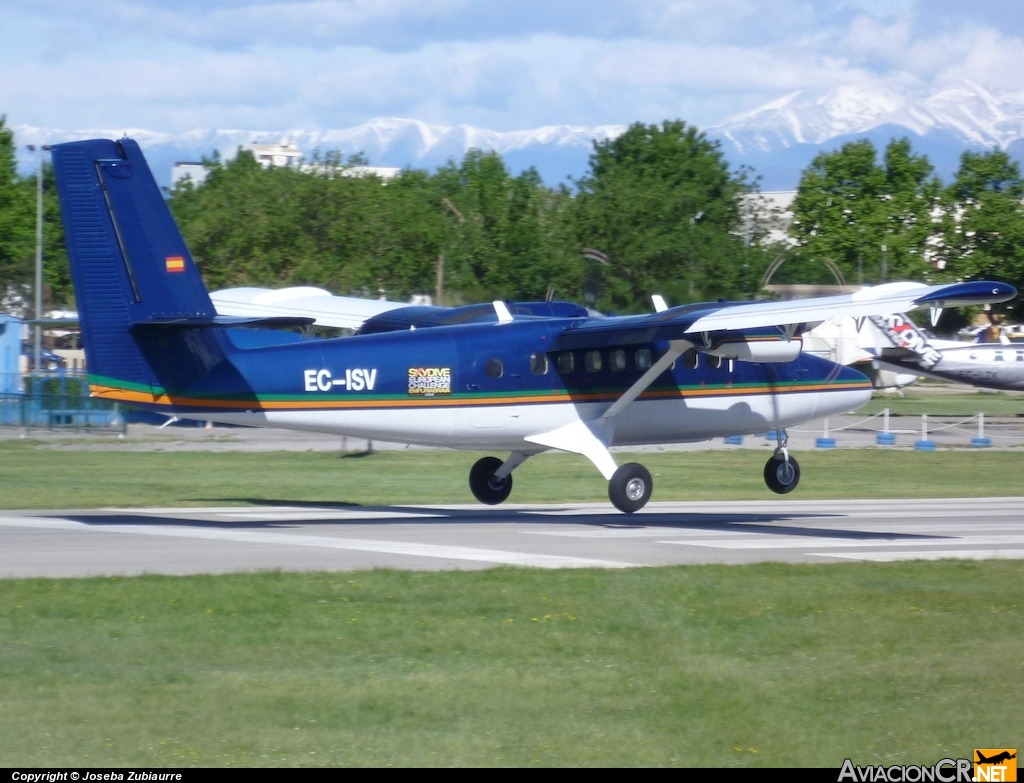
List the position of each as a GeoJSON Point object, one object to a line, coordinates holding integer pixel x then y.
{"type": "Point", "coordinates": [125, 395]}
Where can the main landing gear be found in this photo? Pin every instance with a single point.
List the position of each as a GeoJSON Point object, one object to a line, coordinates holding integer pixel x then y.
{"type": "Point", "coordinates": [630, 487]}
{"type": "Point", "coordinates": [485, 486]}
{"type": "Point", "coordinates": [490, 481]}
{"type": "Point", "coordinates": [782, 471]}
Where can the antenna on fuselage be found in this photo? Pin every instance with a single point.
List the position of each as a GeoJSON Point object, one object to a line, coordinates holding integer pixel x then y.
{"type": "Point", "coordinates": [501, 310]}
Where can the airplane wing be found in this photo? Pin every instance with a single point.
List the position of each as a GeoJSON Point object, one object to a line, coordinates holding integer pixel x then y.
{"type": "Point", "coordinates": [342, 312]}
{"type": "Point", "coordinates": [720, 329]}
{"type": "Point", "coordinates": [695, 322]}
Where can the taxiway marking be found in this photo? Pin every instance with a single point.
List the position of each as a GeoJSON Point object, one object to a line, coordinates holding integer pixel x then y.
{"type": "Point", "coordinates": [920, 554]}
{"type": "Point", "coordinates": [326, 542]}
{"type": "Point", "coordinates": [825, 542]}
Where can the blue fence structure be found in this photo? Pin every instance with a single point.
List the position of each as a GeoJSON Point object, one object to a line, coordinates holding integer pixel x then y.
{"type": "Point", "coordinates": [57, 400]}
{"type": "Point", "coordinates": [10, 354]}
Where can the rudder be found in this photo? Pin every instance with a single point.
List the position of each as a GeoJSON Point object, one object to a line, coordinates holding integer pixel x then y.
{"type": "Point", "coordinates": [129, 263]}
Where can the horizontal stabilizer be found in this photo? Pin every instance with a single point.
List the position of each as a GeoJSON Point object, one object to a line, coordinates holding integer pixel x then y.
{"type": "Point", "coordinates": [339, 312]}
{"type": "Point", "coordinates": [226, 322]}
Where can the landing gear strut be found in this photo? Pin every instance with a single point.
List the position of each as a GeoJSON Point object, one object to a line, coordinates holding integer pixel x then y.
{"type": "Point", "coordinates": [782, 471]}
{"type": "Point", "coordinates": [630, 487]}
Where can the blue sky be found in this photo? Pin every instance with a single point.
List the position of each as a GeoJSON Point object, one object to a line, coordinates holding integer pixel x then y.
{"type": "Point", "coordinates": [319, 64]}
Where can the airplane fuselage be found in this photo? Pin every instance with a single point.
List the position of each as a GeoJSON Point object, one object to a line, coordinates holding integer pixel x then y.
{"type": "Point", "coordinates": [482, 386]}
{"type": "Point", "coordinates": [992, 366]}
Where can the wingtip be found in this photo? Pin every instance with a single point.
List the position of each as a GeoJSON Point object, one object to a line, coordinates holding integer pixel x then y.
{"type": "Point", "coordinates": [976, 292]}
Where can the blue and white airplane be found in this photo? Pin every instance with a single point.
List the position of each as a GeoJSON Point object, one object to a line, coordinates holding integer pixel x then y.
{"type": "Point", "coordinates": [521, 378]}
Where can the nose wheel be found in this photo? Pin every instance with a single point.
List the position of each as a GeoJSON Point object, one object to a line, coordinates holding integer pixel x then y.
{"type": "Point", "coordinates": [630, 487]}
{"type": "Point", "coordinates": [484, 486]}
{"type": "Point", "coordinates": [782, 474]}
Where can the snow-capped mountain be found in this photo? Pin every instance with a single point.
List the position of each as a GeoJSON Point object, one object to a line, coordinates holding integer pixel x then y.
{"type": "Point", "coordinates": [778, 139]}
{"type": "Point", "coordinates": [557, 151]}
{"type": "Point", "coordinates": [781, 137]}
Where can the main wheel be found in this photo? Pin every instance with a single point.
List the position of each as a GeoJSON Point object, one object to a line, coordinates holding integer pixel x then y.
{"type": "Point", "coordinates": [484, 486]}
{"type": "Point", "coordinates": [630, 487]}
{"type": "Point", "coordinates": [781, 476]}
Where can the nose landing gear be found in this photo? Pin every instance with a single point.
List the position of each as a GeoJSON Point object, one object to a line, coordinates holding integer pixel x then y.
{"type": "Point", "coordinates": [782, 471]}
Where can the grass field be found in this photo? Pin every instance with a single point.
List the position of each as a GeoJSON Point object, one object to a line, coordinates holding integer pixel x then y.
{"type": "Point", "coordinates": [34, 477]}
{"type": "Point", "coordinates": [914, 403]}
{"type": "Point", "coordinates": [699, 665]}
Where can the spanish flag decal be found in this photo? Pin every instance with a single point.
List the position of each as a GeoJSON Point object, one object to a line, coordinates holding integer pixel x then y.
{"type": "Point", "coordinates": [175, 264]}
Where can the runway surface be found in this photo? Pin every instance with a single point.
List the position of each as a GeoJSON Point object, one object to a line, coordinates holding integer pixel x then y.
{"type": "Point", "coordinates": [219, 540]}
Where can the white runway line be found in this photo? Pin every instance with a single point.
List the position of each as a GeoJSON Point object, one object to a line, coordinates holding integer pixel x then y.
{"type": "Point", "coordinates": [325, 542]}
{"type": "Point", "coordinates": [957, 554]}
{"type": "Point", "coordinates": [319, 516]}
{"type": "Point", "coordinates": [855, 526]}
{"type": "Point", "coordinates": [598, 533]}
{"type": "Point", "coordinates": [925, 529]}
{"type": "Point", "coordinates": [821, 542]}
{"type": "Point", "coordinates": [156, 510]}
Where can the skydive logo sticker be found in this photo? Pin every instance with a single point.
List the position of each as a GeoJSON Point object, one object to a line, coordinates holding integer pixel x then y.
{"type": "Point", "coordinates": [905, 335]}
{"type": "Point", "coordinates": [429, 381]}
{"type": "Point", "coordinates": [995, 764]}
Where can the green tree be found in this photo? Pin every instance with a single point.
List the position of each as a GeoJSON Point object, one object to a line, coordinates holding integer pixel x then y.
{"type": "Point", "coordinates": [662, 204]}
{"type": "Point", "coordinates": [57, 286]}
{"type": "Point", "coordinates": [848, 206]}
{"type": "Point", "coordinates": [984, 234]}
{"type": "Point", "coordinates": [17, 222]}
{"type": "Point", "coordinates": [498, 235]}
{"type": "Point", "coordinates": [508, 237]}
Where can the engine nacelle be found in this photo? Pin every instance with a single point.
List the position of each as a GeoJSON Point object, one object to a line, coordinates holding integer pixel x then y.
{"type": "Point", "coordinates": [758, 349]}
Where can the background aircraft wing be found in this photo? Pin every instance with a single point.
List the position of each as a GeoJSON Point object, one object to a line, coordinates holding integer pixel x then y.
{"type": "Point", "coordinates": [342, 312]}
{"type": "Point", "coordinates": [689, 322]}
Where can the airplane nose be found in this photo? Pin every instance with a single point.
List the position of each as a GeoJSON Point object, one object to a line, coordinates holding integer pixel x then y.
{"type": "Point", "coordinates": [849, 390]}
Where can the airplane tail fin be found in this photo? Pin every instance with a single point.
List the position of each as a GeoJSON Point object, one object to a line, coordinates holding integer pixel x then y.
{"type": "Point", "coordinates": [903, 334]}
{"type": "Point", "coordinates": [129, 264]}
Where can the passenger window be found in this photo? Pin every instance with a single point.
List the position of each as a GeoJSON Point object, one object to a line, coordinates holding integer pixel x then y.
{"type": "Point", "coordinates": [592, 361]}
{"type": "Point", "coordinates": [999, 356]}
{"type": "Point", "coordinates": [539, 363]}
{"type": "Point", "coordinates": [566, 362]}
{"type": "Point", "coordinates": [643, 359]}
{"type": "Point", "coordinates": [1020, 356]}
{"type": "Point", "coordinates": [714, 362]}
{"type": "Point", "coordinates": [495, 368]}
{"type": "Point", "coordinates": [690, 359]}
{"type": "Point", "coordinates": [617, 360]}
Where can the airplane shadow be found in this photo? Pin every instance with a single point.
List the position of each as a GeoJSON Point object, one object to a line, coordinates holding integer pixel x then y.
{"type": "Point", "coordinates": [764, 523]}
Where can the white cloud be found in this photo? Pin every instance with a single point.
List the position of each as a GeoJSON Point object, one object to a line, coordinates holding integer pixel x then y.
{"type": "Point", "coordinates": [332, 63]}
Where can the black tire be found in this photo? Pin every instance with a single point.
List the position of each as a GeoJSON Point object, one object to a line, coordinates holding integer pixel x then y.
{"type": "Point", "coordinates": [780, 476]}
{"type": "Point", "coordinates": [484, 486]}
{"type": "Point", "coordinates": [630, 487]}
